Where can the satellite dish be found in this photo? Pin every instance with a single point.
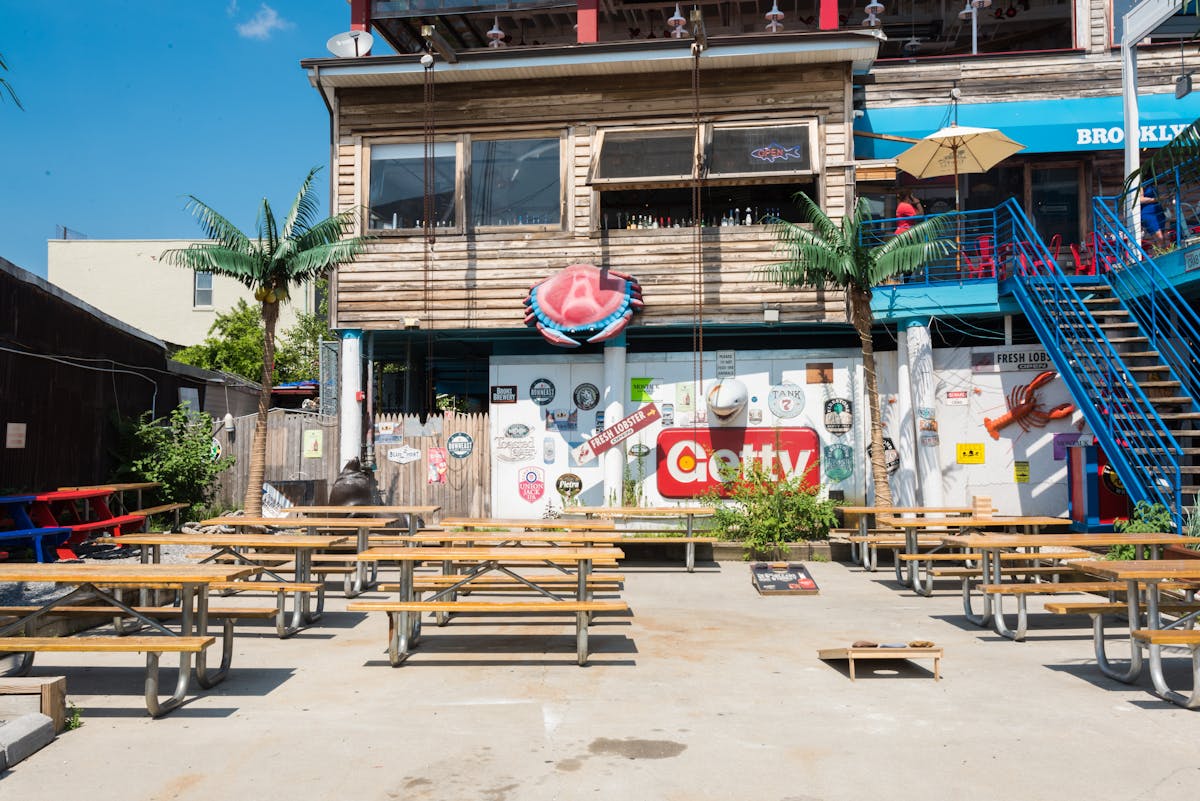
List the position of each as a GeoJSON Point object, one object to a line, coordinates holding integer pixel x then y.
{"type": "Point", "coordinates": [351, 44]}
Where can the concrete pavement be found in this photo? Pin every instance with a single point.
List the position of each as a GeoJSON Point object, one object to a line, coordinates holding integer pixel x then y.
{"type": "Point", "coordinates": [708, 691]}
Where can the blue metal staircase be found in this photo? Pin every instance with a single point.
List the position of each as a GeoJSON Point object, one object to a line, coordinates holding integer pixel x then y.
{"type": "Point", "coordinates": [1125, 342]}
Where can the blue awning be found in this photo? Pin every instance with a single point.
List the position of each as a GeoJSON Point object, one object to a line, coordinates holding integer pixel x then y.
{"type": "Point", "coordinates": [1043, 126]}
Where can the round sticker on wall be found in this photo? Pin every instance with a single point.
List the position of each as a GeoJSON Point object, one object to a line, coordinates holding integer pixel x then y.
{"type": "Point", "coordinates": [586, 396]}
{"type": "Point", "coordinates": [839, 415]}
{"type": "Point", "coordinates": [517, 430]}
{"type": "Point", "coordinates": [786, 400]}
{"type": "Point", "coordinates": [460, 445]}
{"type": "Point", "coordinates": [542, 391]}
{"type": "Point", "coordinates": [568, 485]}
{"type": "Point", "coordinates": [638, 449]}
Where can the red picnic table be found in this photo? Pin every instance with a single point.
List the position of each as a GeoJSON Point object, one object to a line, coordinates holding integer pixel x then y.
{"type": "Point", "coordinates": [83, 512]}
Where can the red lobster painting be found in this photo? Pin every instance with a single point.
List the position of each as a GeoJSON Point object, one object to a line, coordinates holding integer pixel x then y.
{"type": "Point", "coordinates": [1024, 409]}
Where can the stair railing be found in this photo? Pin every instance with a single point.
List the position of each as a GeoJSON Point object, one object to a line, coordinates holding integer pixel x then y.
{"type": "Point", "coordinates": [1134, 437]}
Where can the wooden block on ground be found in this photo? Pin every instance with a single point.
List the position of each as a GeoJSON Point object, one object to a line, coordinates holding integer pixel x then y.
{"type": "Point", "coordinates": [20, 695]}
{"type": "Point", "coordinates": [879, 652]}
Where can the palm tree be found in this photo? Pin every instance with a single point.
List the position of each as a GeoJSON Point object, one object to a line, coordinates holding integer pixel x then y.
{"type": "Point", "coordinates": [827, 254]}
{"type": "Point", "coordinates": [6, 87]}
{"type": "Point", "coordinates": [302, 251]}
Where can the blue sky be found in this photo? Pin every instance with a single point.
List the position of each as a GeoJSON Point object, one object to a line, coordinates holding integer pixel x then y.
{"type": "Point", "coordinates": [130, 105]}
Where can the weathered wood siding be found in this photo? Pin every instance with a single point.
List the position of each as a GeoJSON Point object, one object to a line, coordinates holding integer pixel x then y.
{"type": "Point", "coordinates": [477, 281]}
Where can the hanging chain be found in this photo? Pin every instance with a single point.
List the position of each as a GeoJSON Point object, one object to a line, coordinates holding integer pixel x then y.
{"type": "Point", "coordinates": [429, 211]}
{"type": "Point", "coordinates": [697, 244]}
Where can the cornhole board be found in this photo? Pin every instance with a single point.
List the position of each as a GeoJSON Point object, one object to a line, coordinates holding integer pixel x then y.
{"type": "Point", "coordinates": [782, 578]}
{"type": "Point", "coordinates": [883, 652]}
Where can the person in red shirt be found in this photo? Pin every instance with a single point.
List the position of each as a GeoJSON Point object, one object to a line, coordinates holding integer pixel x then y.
{"type": "Point", "coordinates": [908, 205]}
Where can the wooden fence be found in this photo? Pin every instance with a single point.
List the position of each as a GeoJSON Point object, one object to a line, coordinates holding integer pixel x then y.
{"type": "Point", "coordinates": [403, 477]}
{"type": "Point", "coordinates": [304, 447]}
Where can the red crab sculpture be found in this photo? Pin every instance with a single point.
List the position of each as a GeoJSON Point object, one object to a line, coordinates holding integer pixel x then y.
{"type": "Point", "coordinates": [579, 299]}
{"type": "Point", "coordinates": [1024, 409]}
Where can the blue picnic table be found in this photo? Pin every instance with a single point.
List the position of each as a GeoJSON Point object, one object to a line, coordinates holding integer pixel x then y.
{"type": "Point", "coordinates": [16, 525]}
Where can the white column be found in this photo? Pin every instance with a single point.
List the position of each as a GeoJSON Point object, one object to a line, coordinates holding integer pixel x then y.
{"type": "Point", "coordinates": [349, 406]}
{"type": "Point", "coordinates": [904, 481]}
{"type": "Point", "coordinates": [614, 410]}
{"type": "Point", "coordinates": [920, 367]}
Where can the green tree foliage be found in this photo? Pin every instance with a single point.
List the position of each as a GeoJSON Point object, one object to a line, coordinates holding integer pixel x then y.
{"type": "Point", "coordinates": [234, 344]}
{"type": "Point", "coordinates": [177, 452]}
{"type": "Point", "coordinates": [279, 257]}
{"type": "Point", "coordinates": [6, 87]}
{"type": "Point", "coordinates": [822, 254]}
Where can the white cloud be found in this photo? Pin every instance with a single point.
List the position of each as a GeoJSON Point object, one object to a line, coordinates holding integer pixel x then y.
{"type": "Point", "coordinates": [232, 8]}
{"type": "Point", "coordinates": [263, 24]}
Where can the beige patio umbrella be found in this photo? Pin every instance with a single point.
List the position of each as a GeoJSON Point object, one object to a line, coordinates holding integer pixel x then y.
{"type": "Point", "coordinates": [957, 150]}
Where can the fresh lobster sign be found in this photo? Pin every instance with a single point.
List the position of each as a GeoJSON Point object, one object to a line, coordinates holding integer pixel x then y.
{"type": "Point", "coordinates": [693, 461]}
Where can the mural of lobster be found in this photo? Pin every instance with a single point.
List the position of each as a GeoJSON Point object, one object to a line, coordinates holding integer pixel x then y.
{"type": "Point", "coordinates": [1024, 409]}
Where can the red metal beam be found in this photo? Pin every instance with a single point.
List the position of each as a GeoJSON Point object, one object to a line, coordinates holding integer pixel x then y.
{"type": "Point", "coordinates": [360, 15]}
{"type": "Point", "coordinates": [828, 19]}
{"type": "Point", "coordinates": [587, 23]}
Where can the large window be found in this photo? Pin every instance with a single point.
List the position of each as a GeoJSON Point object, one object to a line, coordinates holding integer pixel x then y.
{"type": "Point", "coordinates": [516, 182]}
{"type": "Point", "coordinates": [751, 172]}
{"type": "Point", "coordinates": [202, 289]}
{"type": "Point", "coordinates": [397, 193]}
{"type": "Point", "coordinates": [503, 182]}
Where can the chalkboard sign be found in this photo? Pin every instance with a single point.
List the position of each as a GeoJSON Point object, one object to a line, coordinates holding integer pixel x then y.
{"type": "Point", "coordinates": [782, 578]}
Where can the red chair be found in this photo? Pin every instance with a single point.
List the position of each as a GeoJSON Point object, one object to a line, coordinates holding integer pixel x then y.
{"type": "Point", "coordinates": [1085, 263]}
{"type": "Point", "coordinates": [1055, 247]}
{"type": "Point", "coordinates": [986, 266]}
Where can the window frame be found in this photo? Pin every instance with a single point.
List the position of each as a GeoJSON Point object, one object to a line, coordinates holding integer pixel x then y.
{"type": "Point", "coordinates": [705, 141]}
{"type": "Point", "coordinates": [462, 181]}
{"type": "Point", "coordinates": [196, 289]}
{"type": "Point", "coordinates": [564, 177]}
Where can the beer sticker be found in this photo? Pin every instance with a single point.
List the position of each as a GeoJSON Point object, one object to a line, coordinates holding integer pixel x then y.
{"type": "Point", "coordinates": [838, 462]}
{"type": "Point", "coordinates": [586, 396]}
{"type": "Point", "coordinates": [460, 444]}
{"type": "Point", "coordinates": [786, 400]}
{"type": "Point", "coordinates": [531, 483]}
{"type": "Point", "coordinates": [568, 486]}
{"type": "Point", "coordinates": [839, 415]}
{"type": "Point", "coordinates": [542, 391]}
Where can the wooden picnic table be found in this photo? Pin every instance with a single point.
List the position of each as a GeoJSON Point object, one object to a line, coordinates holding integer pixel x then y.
{"type": "Point", "coordinates": [861, 552]}
{"type": "Point", "coordinates": [991, 545]}
{"type": "Point", "coordinates": [192, 581]}
{"type": "Point", "coordinates": [912, 525]}
{"type": "Point", "coordinates": [538, 525]}
{"type": "Point", "coordinates": [364, 576]}
{"type": "Point", "coordinates": [688, 513]}
{"type": "Point", "coordinates": [405, 612]}
{"type": "Point", "coordinates": [1154, 634]}
{"type": "Point", "coordinates": [231, 545]}
{"type": "Point", "coordinates": [413, 512]}
{"type": "Point", "coordinates": [120, 489]}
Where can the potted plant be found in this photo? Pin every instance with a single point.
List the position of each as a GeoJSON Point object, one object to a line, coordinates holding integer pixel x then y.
{"type": "Point", "coordinates": [767, 513]}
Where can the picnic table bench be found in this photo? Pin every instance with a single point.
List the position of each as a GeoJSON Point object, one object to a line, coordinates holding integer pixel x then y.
{"type": "Point", "coordinates": [404, 612]}
{"type": "Point", "coordinates": [191, 581]}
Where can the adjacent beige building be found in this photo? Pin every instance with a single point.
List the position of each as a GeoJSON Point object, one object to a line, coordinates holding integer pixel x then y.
{"type": "Point", "coordinates": [127, 279]}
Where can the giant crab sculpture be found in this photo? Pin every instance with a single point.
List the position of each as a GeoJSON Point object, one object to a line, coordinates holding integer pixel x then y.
{"type": "Point", "coordinates": [579, 299]}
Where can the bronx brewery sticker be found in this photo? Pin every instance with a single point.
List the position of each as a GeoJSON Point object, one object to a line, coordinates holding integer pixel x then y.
{"type": "Point", "coordinates": [542, 391]}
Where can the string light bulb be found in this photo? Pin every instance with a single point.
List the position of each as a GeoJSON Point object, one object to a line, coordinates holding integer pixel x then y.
{"type": "Point", "coordinates": [774, 17]}
{"type": "Point", "coordinates": [677, 23]}
{"type": "Point", "coordinates": [496, 35]}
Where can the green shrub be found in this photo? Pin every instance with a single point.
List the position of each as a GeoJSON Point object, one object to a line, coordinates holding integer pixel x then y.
{"type": "Point", "coordinates": [1147, 518]}
{"type": "Point", "coordinates": [765, 512]}
{"type": "Point", "coordinates": [175, 451]}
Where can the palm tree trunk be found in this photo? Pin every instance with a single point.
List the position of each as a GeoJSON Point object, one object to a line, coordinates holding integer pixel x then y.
{"type": "Point", "coordinates": [252, 503]}
{"type": "Point", "coordinates": [860, 318]}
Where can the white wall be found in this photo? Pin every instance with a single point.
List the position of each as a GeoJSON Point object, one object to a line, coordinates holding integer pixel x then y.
{"type": "Point", "coordinates": [127, 279]}
{"type": "Point", "coordinates": [965, 397]}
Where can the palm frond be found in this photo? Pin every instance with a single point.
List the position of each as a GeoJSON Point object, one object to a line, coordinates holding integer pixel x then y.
{"type": "Point", "coordinates": [6, 87]}
{"type": "Point", "coordinates": [314, 262]}
{"type": "Point", "coordinates": [268, 233]}
{"type": "Point", "coordinates": [304, 208]}
{"type": "Point", "coordinates": [247, 268]}
{"type": "Point", "coordinates": [216, 227]}
{"type": "Point", "coordinates": [330, 229]}
{"type": "Point", "coordinates": [812, 213]}
{"type": "Point", "coordinates": [1184, 149]}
